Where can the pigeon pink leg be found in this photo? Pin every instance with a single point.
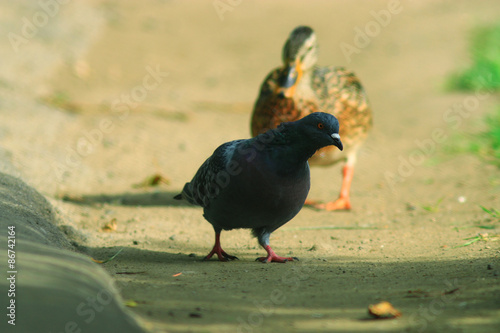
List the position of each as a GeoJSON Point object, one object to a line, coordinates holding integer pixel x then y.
{"type": "Point", "coordinates": [273, 257]}
{"type": "Point", "coordinates": [217, 249]}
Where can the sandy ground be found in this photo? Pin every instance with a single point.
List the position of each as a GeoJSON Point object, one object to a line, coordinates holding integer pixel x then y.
{"type": "Point", "coordinates": [155, 87]}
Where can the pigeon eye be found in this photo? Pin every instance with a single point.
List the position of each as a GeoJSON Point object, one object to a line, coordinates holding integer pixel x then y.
{"type": "Point", "coordinates": [321, 126]}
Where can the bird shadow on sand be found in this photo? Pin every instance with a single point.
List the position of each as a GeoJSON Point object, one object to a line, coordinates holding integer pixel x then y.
{"type": "Point", "coordinates": [156, 198]}
{"type": "Point", "coordinates": [151, 199]}
{"type": "Point", "coordinates": [134, 254]}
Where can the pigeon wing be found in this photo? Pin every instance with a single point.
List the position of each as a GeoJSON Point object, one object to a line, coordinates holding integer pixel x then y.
{"type": "Point", "coordinates": [203, 187]}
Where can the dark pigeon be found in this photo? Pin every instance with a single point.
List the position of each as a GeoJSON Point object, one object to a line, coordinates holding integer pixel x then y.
{"type": "Point", "coordinates": [260, 183]}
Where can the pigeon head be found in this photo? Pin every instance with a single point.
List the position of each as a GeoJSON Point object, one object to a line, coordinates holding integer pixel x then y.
{"type": "Point", "coordinates": [318, 130]}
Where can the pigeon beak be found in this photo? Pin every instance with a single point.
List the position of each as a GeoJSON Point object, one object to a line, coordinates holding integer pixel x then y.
{"type": "Point", "coordinates": [289, 79]}
{"type": "Point", "coordinates": [336, 141]}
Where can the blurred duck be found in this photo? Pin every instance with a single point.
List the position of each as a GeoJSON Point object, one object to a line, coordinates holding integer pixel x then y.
{"type": "Point", "coordinates": [299, 88]}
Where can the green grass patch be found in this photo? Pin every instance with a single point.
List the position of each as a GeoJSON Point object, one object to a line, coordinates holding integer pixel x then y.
{"type": "Point", "coordinates": [491, 137]}
{"type": "Point", "coordinates": [485, 237]}
{"type": "Point", "coordinates": [492, 212]}
{"type": "Point", "coordinates": [483, 74]}
{"type": "Point", "coordinates": [488, 223]}
{"type": "Point", "coordinates": [484, 71]}
{"type": "Point", "coordinates": [433, 207]}
{"type": "Point", "coordinates": [485, 143]}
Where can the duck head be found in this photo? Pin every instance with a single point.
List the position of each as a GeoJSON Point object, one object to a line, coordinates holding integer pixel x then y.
{"type": "Point", "coordinates": [300, 53]}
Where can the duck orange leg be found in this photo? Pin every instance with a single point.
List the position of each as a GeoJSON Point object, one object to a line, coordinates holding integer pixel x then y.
{"type": "Point", "coordinates": [343, 202]}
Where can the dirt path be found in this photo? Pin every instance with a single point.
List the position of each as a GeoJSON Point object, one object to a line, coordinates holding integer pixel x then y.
{"type": "Point", "coordinates": [167, 82]}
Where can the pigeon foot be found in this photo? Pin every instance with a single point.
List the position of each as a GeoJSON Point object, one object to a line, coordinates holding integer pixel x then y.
{"type": "Point", "coordinates": [217, 249]}
{"type": "Point", "coordinates": [273, 257]}
{"type": "Point", "coordinates": [221, 254]}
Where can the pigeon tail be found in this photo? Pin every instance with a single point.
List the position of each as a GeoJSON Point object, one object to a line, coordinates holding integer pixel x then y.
{"type": "Point", "coordinates": [187, 194]}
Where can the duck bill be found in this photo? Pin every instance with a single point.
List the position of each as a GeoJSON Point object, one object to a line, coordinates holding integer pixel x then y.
{"type": "Point", "coordinates": [289, 79]}
{"type": "Point", "coordinates": [336, 141]}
